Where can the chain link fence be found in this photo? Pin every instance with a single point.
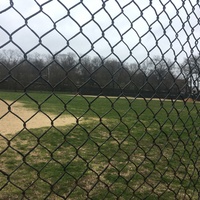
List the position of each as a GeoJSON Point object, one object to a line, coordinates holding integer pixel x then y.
{"type": "Point", "coordinates": [99, 99]}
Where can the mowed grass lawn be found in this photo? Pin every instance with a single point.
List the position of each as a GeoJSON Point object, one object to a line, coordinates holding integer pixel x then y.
{"type": "Point", "coordinates": [120, 148]}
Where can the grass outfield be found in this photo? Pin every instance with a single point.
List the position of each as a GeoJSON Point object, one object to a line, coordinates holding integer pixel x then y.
{"type": "Point", "coordinates": [119, 148]}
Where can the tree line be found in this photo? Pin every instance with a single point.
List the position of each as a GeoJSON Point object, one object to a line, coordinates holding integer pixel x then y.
{"type": "Point", "coordinates": [108, 76]}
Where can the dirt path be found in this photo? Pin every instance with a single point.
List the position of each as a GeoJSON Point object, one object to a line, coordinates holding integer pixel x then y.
{"type": "Point", "coordinates": [12, 122]}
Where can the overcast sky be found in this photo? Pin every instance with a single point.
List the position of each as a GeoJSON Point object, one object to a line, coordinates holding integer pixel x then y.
{"type": "Point", "coordinates": [118, 27]}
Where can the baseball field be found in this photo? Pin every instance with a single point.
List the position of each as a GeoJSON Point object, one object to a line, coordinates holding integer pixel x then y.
{"type": "Point", "coordinates": [58, 146]}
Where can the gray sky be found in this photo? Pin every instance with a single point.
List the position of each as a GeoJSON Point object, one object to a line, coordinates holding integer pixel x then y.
{"type": "Point", "coordinates": [127, 33]}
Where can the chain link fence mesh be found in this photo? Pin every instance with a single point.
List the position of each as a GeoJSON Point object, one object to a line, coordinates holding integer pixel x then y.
{"type": "Point", "coordinates": [99, 99]}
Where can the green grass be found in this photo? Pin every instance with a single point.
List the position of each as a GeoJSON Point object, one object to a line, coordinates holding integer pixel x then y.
{"type": "Point", "coordinates": [123, 148]}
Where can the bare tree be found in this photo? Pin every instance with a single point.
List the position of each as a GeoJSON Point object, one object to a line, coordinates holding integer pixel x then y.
{"type": "Point", "coordinates": [191, 72]}
{"type": "Point", "coordinates": [161, 77]}
{"type": "Point", "coordinates": [9, 61]}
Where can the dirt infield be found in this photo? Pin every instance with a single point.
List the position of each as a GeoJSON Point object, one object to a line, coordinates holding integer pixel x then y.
{"type": "Point", "coordinates": [12, 122]}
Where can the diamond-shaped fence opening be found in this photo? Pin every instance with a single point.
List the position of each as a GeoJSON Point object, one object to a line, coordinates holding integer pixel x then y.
{"type": "Point", "coordinates": [99, 99]}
